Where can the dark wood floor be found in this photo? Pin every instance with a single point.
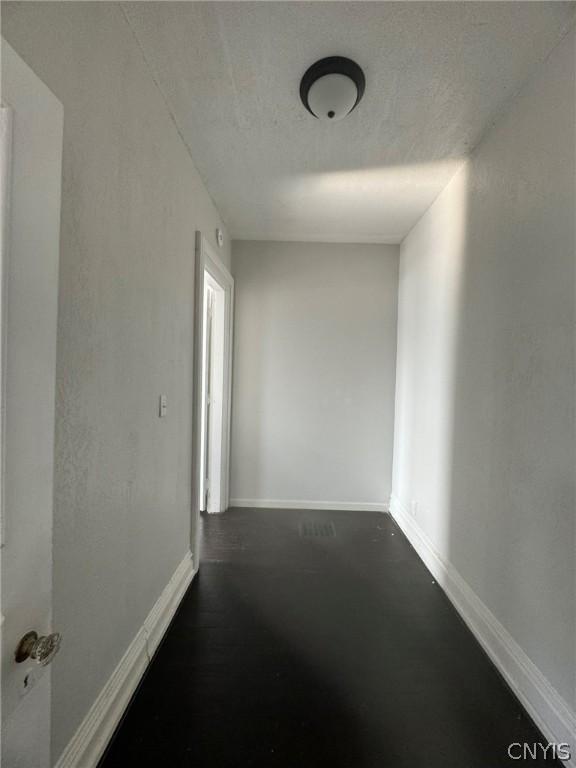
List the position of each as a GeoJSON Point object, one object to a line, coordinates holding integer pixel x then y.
{"type": "Point", "coordinates": [316, 639]}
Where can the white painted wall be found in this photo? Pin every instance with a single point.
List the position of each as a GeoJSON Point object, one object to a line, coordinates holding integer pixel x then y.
{"type": "Point", "coordinates": [314, 372]}
{"type": "Point", "coordinates": [485, 458]}
{"type": "Point", "coordinates": [131, 202]}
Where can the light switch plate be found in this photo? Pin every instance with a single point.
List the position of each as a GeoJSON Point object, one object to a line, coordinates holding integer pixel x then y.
{"type": "Point", "coordinates": [163, 406]}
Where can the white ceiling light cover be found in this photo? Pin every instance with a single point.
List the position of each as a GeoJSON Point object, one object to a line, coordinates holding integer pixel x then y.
{"type": "Point", "coordinates": [332, 97]}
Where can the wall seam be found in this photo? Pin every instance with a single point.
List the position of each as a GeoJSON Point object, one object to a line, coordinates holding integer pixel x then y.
{"type": "Point", "coordinates": [497, 116]}
{"type": "Point", "coordinates": [170, 112]}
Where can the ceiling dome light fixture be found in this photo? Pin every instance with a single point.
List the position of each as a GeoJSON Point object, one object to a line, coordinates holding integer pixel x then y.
{"type": "Point", "coordinates": [331, 88]}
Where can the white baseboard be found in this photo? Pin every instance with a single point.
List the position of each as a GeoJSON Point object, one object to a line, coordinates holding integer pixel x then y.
{"type": "Point", "coordinates": [543, 703]}
{"type": "Point", "coordinates": [355, 506]}
{"type": "Point", "coordinates": [90, 740]}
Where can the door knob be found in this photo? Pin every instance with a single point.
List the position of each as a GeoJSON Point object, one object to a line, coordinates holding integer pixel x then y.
{"type": "Point", "coordinates": [39, 649]}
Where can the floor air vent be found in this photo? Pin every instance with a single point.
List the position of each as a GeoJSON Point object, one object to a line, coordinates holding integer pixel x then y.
{"type": "Point", "coordinates": [316, 530]}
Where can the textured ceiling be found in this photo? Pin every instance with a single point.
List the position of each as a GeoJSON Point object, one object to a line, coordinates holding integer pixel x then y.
{"type": "Point", "coordinates": [438, 73]}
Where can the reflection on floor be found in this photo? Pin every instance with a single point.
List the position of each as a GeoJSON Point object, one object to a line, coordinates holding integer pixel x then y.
{"type": "Point", "coordinates": [315, 639]}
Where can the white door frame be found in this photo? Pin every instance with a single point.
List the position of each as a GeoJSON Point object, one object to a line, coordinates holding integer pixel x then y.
{"type": "Point", "coordinates": [206, 424]}
{"type": "Point", "coordinates": [5, 169]}
{"type": "Point", "coordinates": [5, 179]}
{"type": "Point", "coordinates": [207, 261]}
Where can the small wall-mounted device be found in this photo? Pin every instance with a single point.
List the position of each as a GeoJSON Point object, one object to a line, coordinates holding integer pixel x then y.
{"type": "Point", "coordinates": [220, 237]}
{"type": "Point", "coordinates": [162, 406]}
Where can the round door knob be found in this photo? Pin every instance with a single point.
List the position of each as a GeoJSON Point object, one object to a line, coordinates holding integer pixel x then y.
{"type": "Point", "coordinates": [40, 649]}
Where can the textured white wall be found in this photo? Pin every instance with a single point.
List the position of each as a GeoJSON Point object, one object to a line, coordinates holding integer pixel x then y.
{"type": "Point", "coordinates": [131, 201]}
{"type": "Point", "coordinates": [485, 419]}
{"type": "Point", "coordinates": [314, 371]}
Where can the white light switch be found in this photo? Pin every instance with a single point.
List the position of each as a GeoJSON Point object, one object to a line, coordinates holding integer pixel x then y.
{"type": "Point", "coordinates": [163, 407]}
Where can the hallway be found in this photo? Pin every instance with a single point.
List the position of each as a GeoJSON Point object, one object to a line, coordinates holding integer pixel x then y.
{"type": "Point", "coordinates": [314, 639]}
{"type": "Point", "coordinates": [288, 363]}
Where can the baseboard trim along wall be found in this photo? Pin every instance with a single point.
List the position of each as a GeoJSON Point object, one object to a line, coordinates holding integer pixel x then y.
{"type": "Point", "coordinates": [90, 740]}
{"type": "Point", "coordinates": [543, 703]}
{"type": "Point", "coordinates": [350, 506]}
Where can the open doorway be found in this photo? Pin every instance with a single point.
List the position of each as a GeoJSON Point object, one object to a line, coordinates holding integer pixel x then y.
{"type": "Point", "coordinates": [213, 368]}
{"type": "Point", "coordinates": [212, 396]}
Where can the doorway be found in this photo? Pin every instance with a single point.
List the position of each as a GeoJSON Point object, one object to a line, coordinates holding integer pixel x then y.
{"type": "Point", "coordinates": [213, 370]}
{"type": "Point", "coordinates": [211, 420]}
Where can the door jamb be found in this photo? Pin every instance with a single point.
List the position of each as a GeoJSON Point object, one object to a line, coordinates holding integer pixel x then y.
{"type": "Point", "coordinates": [5, 187]}
{"type": "Point", "coordinates": [208, 260]}
{"type": "Point", "coordinates": [6, 119]}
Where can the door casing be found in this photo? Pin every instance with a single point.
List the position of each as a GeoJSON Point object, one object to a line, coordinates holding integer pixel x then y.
{"type": "Point", "coordinates": [207, 261]}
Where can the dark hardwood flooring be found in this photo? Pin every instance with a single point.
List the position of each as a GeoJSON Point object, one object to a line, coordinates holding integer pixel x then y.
{"type": "Point", "coordinates": [314, 639]}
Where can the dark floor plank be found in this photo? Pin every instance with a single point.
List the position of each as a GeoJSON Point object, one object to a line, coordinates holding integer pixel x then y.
{"type": "Point", "coordinates": [296, 650]}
